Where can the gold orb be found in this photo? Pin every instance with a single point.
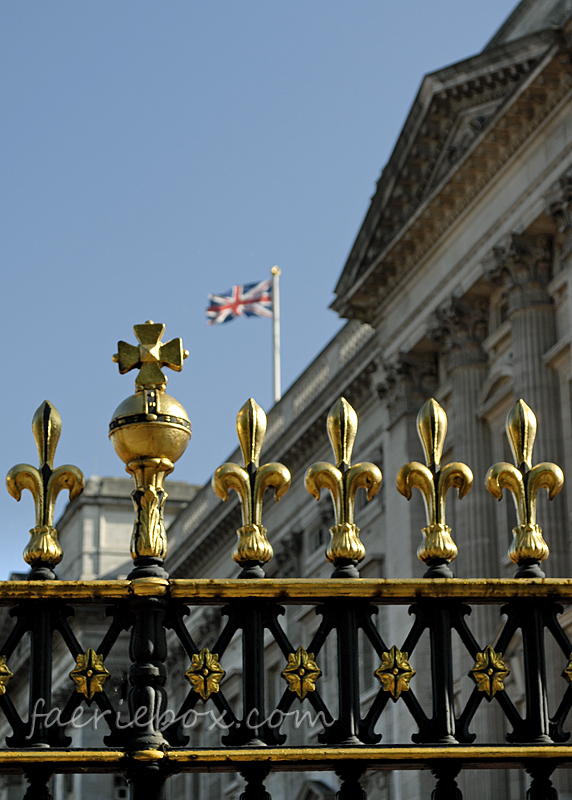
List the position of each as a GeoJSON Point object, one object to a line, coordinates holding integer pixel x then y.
{"type": "Point", "coordinates": [150, 424]}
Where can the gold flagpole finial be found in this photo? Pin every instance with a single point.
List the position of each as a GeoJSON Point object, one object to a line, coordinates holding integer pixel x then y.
{"type": "Point", "coordinates": [250, 483]}
{"type": "Point", "coordinates": [44, 551]}
{"type": "Point", "coordinates": [528, 548]}
{"type": "Point", "coordinates": [342, 481]}
{"type": "Point", "coordinates": [437, 548]}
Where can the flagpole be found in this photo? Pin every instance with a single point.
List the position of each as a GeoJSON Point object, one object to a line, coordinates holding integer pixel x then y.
{"type": "Point", "coordinates": [276, 331]}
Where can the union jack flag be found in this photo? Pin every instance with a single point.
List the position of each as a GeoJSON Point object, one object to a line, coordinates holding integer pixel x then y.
{"type": "Point", "coordinates": [249, 300]}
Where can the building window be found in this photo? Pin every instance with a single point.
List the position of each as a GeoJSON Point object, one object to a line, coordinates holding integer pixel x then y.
{"type": "Point", "coordinates": [318, 538]}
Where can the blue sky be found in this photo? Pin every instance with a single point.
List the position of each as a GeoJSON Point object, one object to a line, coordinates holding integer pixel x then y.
{"type": "Point", "coordinates": [152, 153]}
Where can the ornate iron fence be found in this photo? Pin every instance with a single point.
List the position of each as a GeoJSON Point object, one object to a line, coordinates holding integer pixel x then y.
{"type": "Point", "coordinates": [150, 743]}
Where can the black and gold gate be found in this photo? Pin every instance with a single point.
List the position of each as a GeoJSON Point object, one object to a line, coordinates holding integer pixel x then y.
{"type": "Point", "coordinates": [150, 742]}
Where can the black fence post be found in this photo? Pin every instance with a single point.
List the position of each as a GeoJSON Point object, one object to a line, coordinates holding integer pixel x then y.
{"type": "Point", "coordinates": [348, 674]}
{"type": "Point", "coordinates": [41, 631]}
{"type": "Point", "coordinates": [541, 787]}
{"type": "Point", "coordinates": [446, 787]}
{"type": "Point", "coordinates": [147, 675]}
{"type": "Point", "coordinates": [254, 775]}
{"type": "Point", "coordinates": [351, 788]}
{"type": "Point", "coordinates": [147, 782]}
{"type": "Point", "coordinates": [38, 789]}
{"type": "Point", "coordinates": [442, 689]}
{"type": "Point", "coordinates": [253, 718]}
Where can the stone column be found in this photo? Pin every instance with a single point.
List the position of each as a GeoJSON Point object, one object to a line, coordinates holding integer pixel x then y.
{"type": "Point", "coordinates": [461, 326]}
{"type": "Point", "coordinates": [524, 265]}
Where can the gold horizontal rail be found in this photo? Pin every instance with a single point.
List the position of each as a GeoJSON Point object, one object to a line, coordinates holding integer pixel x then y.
{"type": "Point", "coordinates": [379, 590]}
{"type": "Point", "coordinates": [286, 759]}
{"type": "Point", "coordinates": [289, 590]}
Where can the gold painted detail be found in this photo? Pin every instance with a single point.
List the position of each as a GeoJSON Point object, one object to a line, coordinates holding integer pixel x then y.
{"type": "Point", "coordinates": [301, 673]}
{"type": "Point", "coordinates": [250, 483]}
{"type": "Point", "coordinates": [188, 760]}
{"type": "Point", "coordinates": [343, 481]}
{"type": "Point", "coordinates": [489, 672]}
{"type": "Point", "coordinates": [5, 675]}
{"type": "Point", "coordinates": [524, 482]}
{"type": "Point", "coordinates": [150, 431]}
{"type": "Point", "coordinates": [395, 672]}
{"type": "Point", "coordinates": [150, 355]}
{"type": "Point", "coordinates": [45, 484]}
{"type": "Point", "coordinates": [89, 674]}
{"type": "Point", "coordinates": [149, 537]}
{"type": "Point", "coordinates": [568, 671]}
{"type": "Point", "coordinates": [205, 673]}
{"type": "Point", "coordinates": [434, 482]}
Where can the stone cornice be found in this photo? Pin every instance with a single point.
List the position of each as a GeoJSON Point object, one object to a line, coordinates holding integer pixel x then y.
{"type": "Point", "coordinates": [537, 94]}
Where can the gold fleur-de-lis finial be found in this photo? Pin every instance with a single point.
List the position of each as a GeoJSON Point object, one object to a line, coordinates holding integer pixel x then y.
{"type": "Point", "coordinates": [528, 548]}
{"type": "Point", "coordinates": [250, 483]}
{"type": "Point", "coordinates": [437, 548]}
{"type": "Point", "coordinates": [45, 483]}
{"type": "Point", "coordinates": [150, 355]}
{"type": "Point", "coordinates": [342, 481]}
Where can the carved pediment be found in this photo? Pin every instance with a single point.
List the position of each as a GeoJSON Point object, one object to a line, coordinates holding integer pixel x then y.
{"type": "Point", "coordinates": [467, 119]}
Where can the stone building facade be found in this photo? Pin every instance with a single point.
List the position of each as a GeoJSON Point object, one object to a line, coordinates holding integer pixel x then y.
{"type": "Point", "coordinates": [457, 287]}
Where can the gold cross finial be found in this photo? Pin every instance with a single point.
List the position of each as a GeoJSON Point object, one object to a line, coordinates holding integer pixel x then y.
{"type": "Point", "coordinates": [150, 355]}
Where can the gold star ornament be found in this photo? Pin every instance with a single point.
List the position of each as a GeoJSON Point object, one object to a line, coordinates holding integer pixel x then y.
{"type": "Point", "coordinates": [301, 673]}
{"type": "Point", "coordinates": [89, 674]}
{"type": "Point", "coordinates": [205, 673]}
{"type": "Point", "coordinates": [5, 674]}
{"type": "Point", "coordinates": [395, 672]}
{"type": "Point", "coordinates": [489, 672]}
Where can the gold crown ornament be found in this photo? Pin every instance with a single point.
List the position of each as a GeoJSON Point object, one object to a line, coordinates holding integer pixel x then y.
{"type": "Point", "coordinates": [150, 431]}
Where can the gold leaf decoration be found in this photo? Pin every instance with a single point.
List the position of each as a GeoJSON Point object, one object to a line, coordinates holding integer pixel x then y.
{"type": "Point", "coordinates": [89, 674]}
{"type": "Point", "coordinates": [205, 673]}
{"type": "Point", "coordinates": [301, 673]}
{"type": "Point", "coordinates": [395, 672]}
{"type": "Point", "coordinates": [489, 672]}
{"type": "Point", "coordinates": [5, 674]}
{"type": "Point", "coordinates": [568, 671]}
